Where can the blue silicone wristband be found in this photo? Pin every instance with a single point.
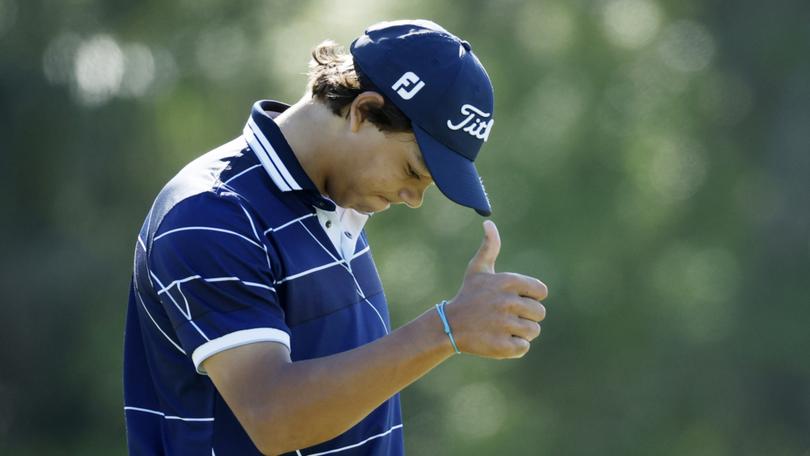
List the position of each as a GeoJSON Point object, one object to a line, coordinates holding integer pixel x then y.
{"type": "Point", "coordinates": [446, 324]}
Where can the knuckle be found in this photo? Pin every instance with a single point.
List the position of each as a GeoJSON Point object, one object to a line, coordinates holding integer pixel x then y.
{"type": "Point", "coordinates": [515, 279]}
{"type": "Point", "coordinates": [505, 279]}
{"type": "Point", "coordinates": [531, 330]}
{"type": "Point", "coordinates": [501, 324]}
{"type": "Point", "coordinates": [502, 304]}
{"type": "Point", "coordinates": [509, 322]}
{"type": "Point", "coordinates": [505, 347]}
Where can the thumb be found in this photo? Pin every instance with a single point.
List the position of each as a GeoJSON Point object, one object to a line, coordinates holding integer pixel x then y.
{"type": "Point", "coordinates": [484, 259]}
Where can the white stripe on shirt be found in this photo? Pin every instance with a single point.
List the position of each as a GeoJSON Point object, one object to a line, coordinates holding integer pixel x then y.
{"type": "Point", "coordinates": [271, 152]}
{"type": "Point", "coordinates": [349, 447]}
{"type": "Point", "coordinates": [214, 279]}
{"type": "Point", "coordinates": [168, 417]}
{"type": "Point", "coordinates": [207, 228]}
{"type": "Point", "coordinates": [268, 165]}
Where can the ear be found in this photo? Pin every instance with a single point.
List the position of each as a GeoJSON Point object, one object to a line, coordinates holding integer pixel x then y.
{"type": "Point", "coordinates": [362, 104]}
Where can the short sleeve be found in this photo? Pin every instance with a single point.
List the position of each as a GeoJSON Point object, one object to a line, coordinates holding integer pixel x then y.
{"type": "Point", "coordinates": [213, 272]}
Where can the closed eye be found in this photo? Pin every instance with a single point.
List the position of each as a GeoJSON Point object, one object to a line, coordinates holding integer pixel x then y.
{"type": "Point", "coordinates": [413, 173]}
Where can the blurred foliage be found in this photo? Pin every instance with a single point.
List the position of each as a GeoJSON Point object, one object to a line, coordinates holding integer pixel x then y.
{"type": "Point", "coordinates": [650, 162]}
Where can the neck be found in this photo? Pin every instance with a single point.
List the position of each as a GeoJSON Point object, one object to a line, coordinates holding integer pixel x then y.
{"type": "Point", "coordinates": [305, 125]}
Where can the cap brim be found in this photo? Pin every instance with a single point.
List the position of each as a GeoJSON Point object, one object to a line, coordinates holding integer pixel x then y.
{"type": "Point", "coordinates": [454, 174]}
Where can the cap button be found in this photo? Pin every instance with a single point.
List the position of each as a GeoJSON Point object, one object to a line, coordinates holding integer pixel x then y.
{"type": "Point", "coordinates": [466, 45]}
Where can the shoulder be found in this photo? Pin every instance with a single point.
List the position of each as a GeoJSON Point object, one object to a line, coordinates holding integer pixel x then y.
{"type": "Point", "coordinates": [196, 191]}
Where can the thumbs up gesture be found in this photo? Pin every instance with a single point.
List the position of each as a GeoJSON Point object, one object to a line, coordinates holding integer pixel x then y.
{"type": "Point", "coordinates": [495, 315]}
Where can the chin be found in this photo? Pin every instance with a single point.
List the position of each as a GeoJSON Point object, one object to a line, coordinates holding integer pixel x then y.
{"type": "Point", "coordinates": [368, 210]}
{"type": "Point", "coordinates": [372, 205]}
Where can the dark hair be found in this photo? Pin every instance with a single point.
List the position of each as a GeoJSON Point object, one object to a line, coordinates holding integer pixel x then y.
{"type": "Point", "coordinates": [336, 81]}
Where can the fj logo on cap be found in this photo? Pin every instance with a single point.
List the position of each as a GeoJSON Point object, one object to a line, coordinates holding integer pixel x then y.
{"type": "Point", "coordinates": [405, 85]}
{"type": "Point", "coordinates": [476, 122]}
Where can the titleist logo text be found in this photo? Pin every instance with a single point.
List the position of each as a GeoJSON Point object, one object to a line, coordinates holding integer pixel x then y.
{"type": "Point", "coordinates": [477, 122]}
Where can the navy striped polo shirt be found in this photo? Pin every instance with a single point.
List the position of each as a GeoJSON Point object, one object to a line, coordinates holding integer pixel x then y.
{"type": "Point", "coordinates": [240, 247]}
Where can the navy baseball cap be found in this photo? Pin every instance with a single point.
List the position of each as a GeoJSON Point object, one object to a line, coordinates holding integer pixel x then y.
{"type": "Point", "coordinates": [433, 77]}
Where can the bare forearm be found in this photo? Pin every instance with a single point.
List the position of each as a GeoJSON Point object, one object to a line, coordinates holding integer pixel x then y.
{"type": "Point", "coordinates": [286, 405]}
{"type": "Point", "coordinates": [326, 396]}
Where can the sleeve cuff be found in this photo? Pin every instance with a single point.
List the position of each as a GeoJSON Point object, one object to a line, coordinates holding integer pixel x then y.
{"type": "Point", "coordinates": [236, 339]}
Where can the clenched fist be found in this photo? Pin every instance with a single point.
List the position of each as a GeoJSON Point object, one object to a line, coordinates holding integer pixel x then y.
{"type": "Point", "coordinates": [495, 315]}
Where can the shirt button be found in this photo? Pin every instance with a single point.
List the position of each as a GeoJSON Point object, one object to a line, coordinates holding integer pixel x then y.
{"type": "Point", "coordinates": [347, 234]}
{"type": "Point", "coordinates": [329, 224]}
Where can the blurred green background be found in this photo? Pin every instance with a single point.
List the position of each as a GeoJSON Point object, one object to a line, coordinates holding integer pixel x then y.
{"type": "Point", "coordinates": [650, 162]}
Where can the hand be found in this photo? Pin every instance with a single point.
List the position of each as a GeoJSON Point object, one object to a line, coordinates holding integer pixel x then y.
{"type": "Point", "coordinates": [495, 315]}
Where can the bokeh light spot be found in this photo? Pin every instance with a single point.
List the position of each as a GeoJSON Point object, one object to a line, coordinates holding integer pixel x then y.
{"type": "Point", "coordinates": [222, 52]}
{"type": "Point", "coordinates": [139, 71]}
{"type": "Point", "coordinates": [670, 168]}
{"type": "Point", "coordinates": [631, 23]}
{"type": "Point", "coordinates": [545, 28]}
{"type": "Point", "coordinates": [686, 46]}
{"type": "Point", "coordinates": [58, 59]}
{"type": "Point", "coordinates": [99, 70]}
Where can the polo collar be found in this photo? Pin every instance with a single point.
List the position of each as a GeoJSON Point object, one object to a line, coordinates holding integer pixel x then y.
{"type": "Point", "coordinates": [276, 156]}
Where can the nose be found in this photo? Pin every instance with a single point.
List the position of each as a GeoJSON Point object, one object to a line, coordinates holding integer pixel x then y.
{"type": "Point", "coordinates": [413, 195]}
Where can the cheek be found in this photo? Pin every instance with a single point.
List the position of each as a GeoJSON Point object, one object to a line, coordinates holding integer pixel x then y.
{"type": "Point", "coordinates": [356, 183]}
{"type": "Point", "coordinates": [366, 181]}
{"type": "Point", "coordinates": [372, 169]}
{"type": "Point", "coordinates": [370, 176]}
